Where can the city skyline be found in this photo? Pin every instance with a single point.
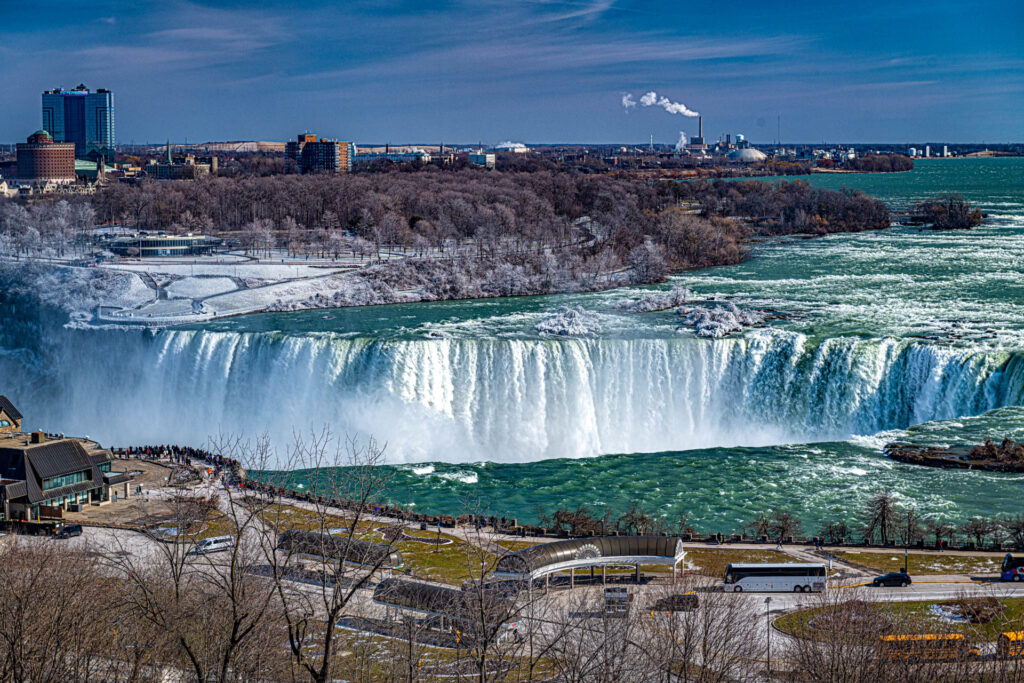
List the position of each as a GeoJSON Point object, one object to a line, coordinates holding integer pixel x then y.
{"type": "Point", "coordinates": [534, 72]}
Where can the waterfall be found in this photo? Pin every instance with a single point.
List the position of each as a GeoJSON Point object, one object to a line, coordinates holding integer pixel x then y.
{"type": "Point", "coordinates": [463, 400]}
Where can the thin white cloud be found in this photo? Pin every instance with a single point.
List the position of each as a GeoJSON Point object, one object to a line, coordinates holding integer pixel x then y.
{"type": "Point", "coordinates": [578, 10]}
{"type": "Point", "coordinates": [541, 54]}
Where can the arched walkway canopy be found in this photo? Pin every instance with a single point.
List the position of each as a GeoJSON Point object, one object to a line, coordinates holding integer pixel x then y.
{"type": "Point", "coordinates": [546, 558]}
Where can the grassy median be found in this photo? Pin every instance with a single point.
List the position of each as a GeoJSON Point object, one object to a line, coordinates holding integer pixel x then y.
{"type": "Point", "coordinates": [922, 564]}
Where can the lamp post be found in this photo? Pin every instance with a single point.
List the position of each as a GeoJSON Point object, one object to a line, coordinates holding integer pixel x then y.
{"type": "Point", "coordinates": [768, 623]}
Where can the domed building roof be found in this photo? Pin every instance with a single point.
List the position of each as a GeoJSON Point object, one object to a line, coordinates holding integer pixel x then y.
{"type": "Point", "coordinates": [747, 155]}
{"type": "Point", "coordinates": [40, 137]}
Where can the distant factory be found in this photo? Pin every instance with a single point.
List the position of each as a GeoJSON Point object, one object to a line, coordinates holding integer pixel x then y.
{"type": "Point", "coordinates": [398, 155]}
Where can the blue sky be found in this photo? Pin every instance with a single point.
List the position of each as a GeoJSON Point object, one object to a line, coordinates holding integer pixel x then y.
{"type": "Point", "coordinates": [527, 70]}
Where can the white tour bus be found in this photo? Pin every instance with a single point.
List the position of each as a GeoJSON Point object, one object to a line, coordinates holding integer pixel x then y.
{"type": "Point", "coordinates": [762, 578]}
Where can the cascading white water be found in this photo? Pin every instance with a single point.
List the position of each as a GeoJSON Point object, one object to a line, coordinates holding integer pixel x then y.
{"type": "Point", "coordinates": [500, 400]}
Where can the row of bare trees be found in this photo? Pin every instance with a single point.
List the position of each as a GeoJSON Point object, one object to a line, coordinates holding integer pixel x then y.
{"type": "Point", "coordinates": [45, 228]}
{"type": "Point", "coordinates": [883, 519]}
{"type": "Point", "coordinates": [140, 607]}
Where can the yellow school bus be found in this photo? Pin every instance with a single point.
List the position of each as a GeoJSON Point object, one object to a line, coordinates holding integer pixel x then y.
{"type": "Point", "coordinates": [928, 646]}
{"type": "Point", "coordinates": [1011, 644]}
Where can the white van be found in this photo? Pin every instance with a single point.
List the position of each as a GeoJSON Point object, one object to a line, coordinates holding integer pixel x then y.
{"type": "Point", "coordinates": [214, 544]}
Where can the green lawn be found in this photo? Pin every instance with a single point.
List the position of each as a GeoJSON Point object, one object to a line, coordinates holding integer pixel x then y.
{"type": "Point", "coordinates": [283, 517]}
{"type": "Point", "coordinates": [452, 563]}
{"type": "Point", "coordinates": [919, 613]}
{"type": "Point", "coordinates": [514, 546]}
{"type": "Point", "coordinates": [924, 564]}
{"type": "Point", "coordinates": [712, 562]}
{"type": "Point", "coordinates": [216, 524]}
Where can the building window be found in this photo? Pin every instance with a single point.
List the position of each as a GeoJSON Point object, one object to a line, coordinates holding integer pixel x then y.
{"type": "Point", "coordinates": [65, 480]}
{"type": "Point", "coordinates": [4, 423]}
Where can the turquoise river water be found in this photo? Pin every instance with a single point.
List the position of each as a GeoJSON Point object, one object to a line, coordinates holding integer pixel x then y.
{"type": "Point", "coordinates": [891, 335]}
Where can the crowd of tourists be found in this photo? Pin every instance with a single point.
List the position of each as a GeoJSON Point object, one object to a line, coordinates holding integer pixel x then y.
{"type": "Point", "coordinates": [217, 464]}
{"type": "Point", "coordinates": [180, 455]}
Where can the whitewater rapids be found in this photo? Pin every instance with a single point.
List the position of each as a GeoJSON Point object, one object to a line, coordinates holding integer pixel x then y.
{"type": "Point", "coordinates": [500, 400]}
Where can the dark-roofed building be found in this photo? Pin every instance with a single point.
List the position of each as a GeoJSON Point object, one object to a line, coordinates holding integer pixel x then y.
{"type": "Point", "coordinates": [43, 476]}
{"type": "Point", "coordinates": [10, 418]}
{"type": "Point", "coordinates": [465, 613]}
{"type": "Point", "coordinates": [431, 598]}
{"type": "Point", "coordinates": [322, 547]}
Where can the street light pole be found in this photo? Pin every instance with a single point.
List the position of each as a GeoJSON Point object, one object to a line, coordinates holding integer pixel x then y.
{"type": "Point", "coordinates": [768, 623]}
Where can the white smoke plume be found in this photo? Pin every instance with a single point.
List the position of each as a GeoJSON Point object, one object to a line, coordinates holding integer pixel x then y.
{"type": "Point", "coordinates": [681, 142]}
{"type": "Point", "coordinates": [652, 99]}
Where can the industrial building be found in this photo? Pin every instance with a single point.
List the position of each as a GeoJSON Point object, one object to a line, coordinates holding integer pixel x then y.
{"type": "Point", "coordinates": [397, 156]}
{"type": "Point", "coordinates": [81, 117]}
{"type": "Point", "coordinates": [513, 147]}
{"type": "Point", "coordinates": [306, 154]}
{"type": "Point", "coordinates": [484, 159]}
{"type": "Point", "coordinates": [697, 144]}
{"type": "Point", "coordinates": [42, 160]}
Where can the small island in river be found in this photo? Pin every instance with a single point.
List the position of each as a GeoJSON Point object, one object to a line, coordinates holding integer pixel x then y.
{"type": "Point", "coordinates": [1007, 456]}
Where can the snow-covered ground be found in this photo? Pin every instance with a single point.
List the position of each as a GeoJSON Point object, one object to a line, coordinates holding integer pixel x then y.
{"type": "Point", "coordinates": [244, 269]}
{"type": "Point", "coordinates": [158, 292]}
{"type": "Point", "coordinates": [162, 292]}
{"type": "Point", "coordinates": [200, 287]}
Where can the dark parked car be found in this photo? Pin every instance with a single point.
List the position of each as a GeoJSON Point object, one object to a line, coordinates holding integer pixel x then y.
{"type": "Point", "coordinates": [900, 579]}
{"type": "Point", "coordinates": [69, 531]}
{"type": "Point", "coordinates": [675, 603]}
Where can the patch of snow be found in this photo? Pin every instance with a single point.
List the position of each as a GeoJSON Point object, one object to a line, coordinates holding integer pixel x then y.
{"type": "Point", "coordinates": [200, 287]}
{"type": "Point", "coordinates": [243, 269]}
{"type": "Point", "coordinates": [948, 613]}
{"type": "Point", "coordinates": [656, 301]}
{"type": "Point", "coordinates": [720, 321]}
{"type": "Point", "coordinates": [570, 321]}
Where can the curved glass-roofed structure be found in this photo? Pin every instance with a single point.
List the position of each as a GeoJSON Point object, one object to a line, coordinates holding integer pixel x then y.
{"type": "Point", "coordinates": [547, 558]}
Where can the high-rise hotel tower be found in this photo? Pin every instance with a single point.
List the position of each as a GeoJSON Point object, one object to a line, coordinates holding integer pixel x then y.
{"type": "Point", "coordinates": [82, 117]}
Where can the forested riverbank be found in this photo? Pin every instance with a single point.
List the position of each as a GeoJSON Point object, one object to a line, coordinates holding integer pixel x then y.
{"type": "Point", "coordinates": [431, 235]}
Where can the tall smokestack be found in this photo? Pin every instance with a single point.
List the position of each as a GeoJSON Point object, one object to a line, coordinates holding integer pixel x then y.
{"type": "Point", "coordinates": [700, 126]}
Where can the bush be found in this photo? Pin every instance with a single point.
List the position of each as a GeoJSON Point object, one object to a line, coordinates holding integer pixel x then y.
{"type": "Point", "coordinates": [948, 211]}
{"type": "Point", "coordinates": [880, 163]}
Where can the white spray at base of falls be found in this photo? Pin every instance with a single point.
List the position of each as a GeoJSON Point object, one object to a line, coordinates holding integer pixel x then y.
{"type": "Point", "coordinates": [500, 400]}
